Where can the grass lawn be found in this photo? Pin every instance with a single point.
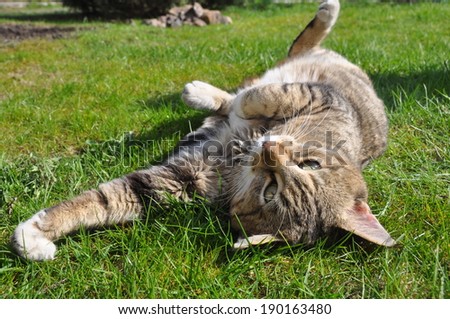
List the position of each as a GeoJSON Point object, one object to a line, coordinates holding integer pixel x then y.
{"type": "Point", "coordinates": [103, 102]}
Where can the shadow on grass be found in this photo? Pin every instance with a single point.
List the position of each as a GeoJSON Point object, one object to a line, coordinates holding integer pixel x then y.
{"type": "Point", "coordinates": [54, 17]}
{"type": "Point", "coordinates": [153, 144]}
{"type": "Point", "coordinates": [418, 86]}
{"type": "Point", "coordinates": [184, 122]}
{"type": "Point", "coordinates": [58, 15]}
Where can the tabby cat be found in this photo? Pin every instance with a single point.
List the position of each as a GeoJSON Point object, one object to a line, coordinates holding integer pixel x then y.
{"type": "Point", "coordinates": [284, 156]}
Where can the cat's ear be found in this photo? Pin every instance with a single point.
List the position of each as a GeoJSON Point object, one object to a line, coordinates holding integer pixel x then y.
{"type": "Point", "coordinates": [246, 242]}
{"type": "Point", "coordinates": [360, 221]}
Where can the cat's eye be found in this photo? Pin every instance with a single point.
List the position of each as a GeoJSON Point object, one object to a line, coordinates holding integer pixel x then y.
{"type": "Point", "coordinates": [270, 192]}
{"type": "Point", "coordinates": [309, 165]}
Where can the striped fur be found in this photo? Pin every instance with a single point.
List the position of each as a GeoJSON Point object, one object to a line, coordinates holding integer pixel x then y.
{"type": "Point", "coordinates": [284, 153]}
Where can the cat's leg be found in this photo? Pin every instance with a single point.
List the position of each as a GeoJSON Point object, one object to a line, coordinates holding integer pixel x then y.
{"type": "Point", "coordinates": [118, 201]}
{"type": "Point", "coordinates": [280, 101]}
{"type": "Point", "coordinates": [113, 202]}
{"type": "Point", "coordinates": [204, 96]}
{"type": "Point", "coordinates": [317, 30]}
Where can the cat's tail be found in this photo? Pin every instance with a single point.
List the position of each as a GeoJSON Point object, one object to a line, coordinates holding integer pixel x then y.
{"type": "Point", "coordinates": [317, 30]}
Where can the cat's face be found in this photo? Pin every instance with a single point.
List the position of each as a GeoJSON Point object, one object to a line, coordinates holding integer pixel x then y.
{"type": "Point", "coordinates": [297, 195]}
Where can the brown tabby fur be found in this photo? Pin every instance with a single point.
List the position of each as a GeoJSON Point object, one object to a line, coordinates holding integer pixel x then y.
{"type": "Point", "coordinates": [284, 154]}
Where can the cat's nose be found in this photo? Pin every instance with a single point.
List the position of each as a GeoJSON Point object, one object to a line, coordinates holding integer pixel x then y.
{"type": "Point", "coordinates": [268, 144]}
{"type": "Point", "coordinates": [276, 145]}
{"type": "Point", "coordinates": [274, 154]}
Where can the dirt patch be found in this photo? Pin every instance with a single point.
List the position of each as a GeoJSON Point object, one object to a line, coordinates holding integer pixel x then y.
{"type": "Point", "coordinates": [17, 32]}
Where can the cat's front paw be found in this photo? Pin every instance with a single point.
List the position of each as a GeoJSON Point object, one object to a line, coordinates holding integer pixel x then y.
{"type": "Point", "coordinates": [328, 12]}
{"type": "Point", "coordinates": [255, 240]}
{"type": "Point", "coordinates": [30, 242]}
{"type": "Point", "coordinates": [204, 96]}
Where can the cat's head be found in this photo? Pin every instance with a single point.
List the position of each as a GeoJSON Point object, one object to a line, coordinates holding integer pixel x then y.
{"type": "Point", "coordinates": [288, 194]}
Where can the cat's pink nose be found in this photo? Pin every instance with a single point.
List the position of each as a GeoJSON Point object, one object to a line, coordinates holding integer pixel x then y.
{"type": "Point", "coordinates": [268, 144]}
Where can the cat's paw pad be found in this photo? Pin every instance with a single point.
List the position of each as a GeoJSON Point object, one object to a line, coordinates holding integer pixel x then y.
{"type": "Point", "coordinates": [328, 11]}
{"type": "Point", "coordinates": [30, 242]}
{"type": "Point", "coordinates": [204, 96]}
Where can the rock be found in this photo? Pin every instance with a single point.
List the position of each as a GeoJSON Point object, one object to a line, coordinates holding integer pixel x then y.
{"type": "Point", "coordinates": [198, 22]}
{"type": "Point", "coordinates": [163, 19]}
{"type": "Point", "coordinates": [211, 16]}
{"type": "Point", "coordinates": [154, 23]}
{"type": "Point", "coordinates": [195, 11]}
{"type": "Point", "coordinates": [175, 11]}
{"type": "Point", "coordinates": [174, 21]}
{"type": "Point", "coordinates": [226, 20]}
{"type": "Point", "coordinates": [215, 17]}
{"type": "Point", "coordinates": [189, 15]}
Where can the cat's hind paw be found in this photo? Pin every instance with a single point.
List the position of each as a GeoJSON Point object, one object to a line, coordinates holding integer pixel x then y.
{"type": "Point", "coordinates": [204, 96]}
{"type": "Point", "coordinates": [30, 242]}
{"type": "Point", "coordinates": [328, 12]}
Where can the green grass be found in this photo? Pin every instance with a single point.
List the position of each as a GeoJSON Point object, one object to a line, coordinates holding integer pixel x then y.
{"type": "Point", "coordinates": [67, 108]}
